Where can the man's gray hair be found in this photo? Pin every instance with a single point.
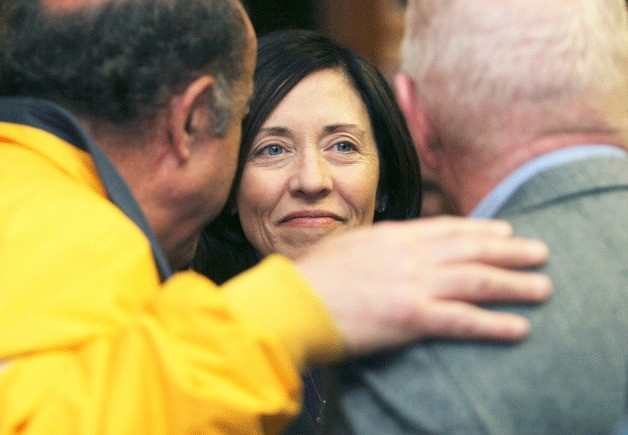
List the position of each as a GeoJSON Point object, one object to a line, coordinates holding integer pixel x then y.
{"type": "Point", "coordinates": [526, 67]}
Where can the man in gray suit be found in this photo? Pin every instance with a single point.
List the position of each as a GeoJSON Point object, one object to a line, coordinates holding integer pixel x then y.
{"type": "Point", "coordinates": [520, 109]}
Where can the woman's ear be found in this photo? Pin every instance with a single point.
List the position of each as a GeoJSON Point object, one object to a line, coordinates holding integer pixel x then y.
{"type": "Point", "coordinates": [419, 124]}
{"type": "Point", "coordinates": [190, 114]}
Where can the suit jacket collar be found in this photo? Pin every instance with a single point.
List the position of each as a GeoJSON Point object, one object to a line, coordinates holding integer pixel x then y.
{"type": "Point", "coordinates": [582, 177]}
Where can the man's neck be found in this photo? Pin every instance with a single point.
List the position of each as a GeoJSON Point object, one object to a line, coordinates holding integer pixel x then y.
{"type": "Point", "coordinates": [481, 174]}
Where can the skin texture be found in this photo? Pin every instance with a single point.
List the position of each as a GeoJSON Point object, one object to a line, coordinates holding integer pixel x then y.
{"type": "Point", "coordinates": [312, 170]}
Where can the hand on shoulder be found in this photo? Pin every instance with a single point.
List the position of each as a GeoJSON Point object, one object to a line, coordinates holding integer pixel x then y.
{"type": "Point", "coordinates": [398, 282]}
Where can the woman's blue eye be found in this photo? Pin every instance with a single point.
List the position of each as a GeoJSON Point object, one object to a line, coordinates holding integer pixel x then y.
{"type": "Point", "coordinates": [345, 146]}
{"type": "Point", "coordinates": [274, 150]}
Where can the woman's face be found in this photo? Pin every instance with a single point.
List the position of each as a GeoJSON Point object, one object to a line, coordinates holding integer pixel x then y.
{"type": "Point", "coordinates": [313, 168]}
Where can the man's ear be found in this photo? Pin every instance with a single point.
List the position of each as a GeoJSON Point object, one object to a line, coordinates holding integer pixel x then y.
{"type": "Point", "coordinates": [190, 114]}
{"type": "Point", "coordinates": [419, 124]}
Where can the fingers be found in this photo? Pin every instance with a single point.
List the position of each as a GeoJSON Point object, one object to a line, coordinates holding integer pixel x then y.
{"type": "Point", "coordinates": [514, 252]}
{"type": "Point", "coordinates": [400, 282]}
{"type": "Point", "coordinates": [445, 240]}
{"type": "Point", "coordinates": [489, 284]}
{"type": "Point", "coordinates": [462, 321]}
{"type": "Point", "coordinates": [436, 319]}
{"type": "Point", "coordinates": [443, 226]}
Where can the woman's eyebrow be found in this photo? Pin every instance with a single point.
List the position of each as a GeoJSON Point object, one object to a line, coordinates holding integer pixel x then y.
{"type": "Point", "coordinates": [328, 129]}
{"type": "Point", "coordinates": [354, 128]}
{"type": "Point", "coordinates": [279, 131]}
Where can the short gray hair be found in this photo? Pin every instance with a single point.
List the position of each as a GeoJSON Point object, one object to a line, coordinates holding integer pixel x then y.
{"type": "Point", "coordinates": [223, 100]}
{"type": "Point", "coordinates": [533, 67]}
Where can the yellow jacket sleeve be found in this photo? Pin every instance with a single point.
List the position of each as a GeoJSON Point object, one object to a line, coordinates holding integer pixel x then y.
{"type": "Point", "coordinates": [92, 343]}
{"type": "Point", "coordinates": [185, 362]}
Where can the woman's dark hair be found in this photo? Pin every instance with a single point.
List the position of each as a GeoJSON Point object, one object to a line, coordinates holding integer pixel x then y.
{"type": "Point", "coordinates": [284, 59]}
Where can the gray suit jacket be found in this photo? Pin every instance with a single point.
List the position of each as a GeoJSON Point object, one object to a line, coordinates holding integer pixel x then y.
{"type": "Point", "coordinates": [568, 377]}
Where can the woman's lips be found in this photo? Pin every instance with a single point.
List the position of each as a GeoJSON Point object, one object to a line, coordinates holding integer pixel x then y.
{"type": "Point", "coordinates": [311, 219]}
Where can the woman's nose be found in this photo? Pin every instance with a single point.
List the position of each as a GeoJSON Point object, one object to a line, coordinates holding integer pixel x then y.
{"type": "Point", "coordinates": [311, 176]}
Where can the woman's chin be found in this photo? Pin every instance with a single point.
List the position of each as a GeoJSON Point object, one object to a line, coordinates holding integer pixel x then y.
{"type": "Point", "coordinates": [301, 240]}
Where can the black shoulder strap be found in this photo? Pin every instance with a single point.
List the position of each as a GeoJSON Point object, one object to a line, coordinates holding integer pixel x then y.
{"type": "Point", "coordinates": [52, 118]}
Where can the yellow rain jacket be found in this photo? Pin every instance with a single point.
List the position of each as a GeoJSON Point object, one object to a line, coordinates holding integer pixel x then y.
{"type": "Point", "coordinates": [91, 342]}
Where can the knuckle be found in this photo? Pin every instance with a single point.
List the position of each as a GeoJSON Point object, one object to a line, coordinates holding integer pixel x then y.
{"type": "Point", "coordinates": [465, 328]}
{"type": "Point", "coordinates": [471, 282]}
{"type": "Point", "coordinates": [411, 318]}
{"type": "Point", "coordinates": [481, 283]}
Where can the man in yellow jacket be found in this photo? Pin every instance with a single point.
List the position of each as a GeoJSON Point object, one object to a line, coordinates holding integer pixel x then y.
{"type": "Point", "coordinates": [119, 133]}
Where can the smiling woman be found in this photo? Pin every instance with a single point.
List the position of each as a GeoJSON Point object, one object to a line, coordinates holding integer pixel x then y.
{"type": "Point", "coordinates": [312, 170]}
{"type": "Point", "coordinates": [325, 149]}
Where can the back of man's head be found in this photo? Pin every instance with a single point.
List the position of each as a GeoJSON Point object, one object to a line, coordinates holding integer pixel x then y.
{"type": "Point", "coordinates": [488, 69]}
{"type": "Point", "coordinates": [120, 61]}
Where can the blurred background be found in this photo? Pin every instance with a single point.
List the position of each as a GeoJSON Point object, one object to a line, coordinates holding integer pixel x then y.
{"type": "Point", "coordinates": [373, 28]}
